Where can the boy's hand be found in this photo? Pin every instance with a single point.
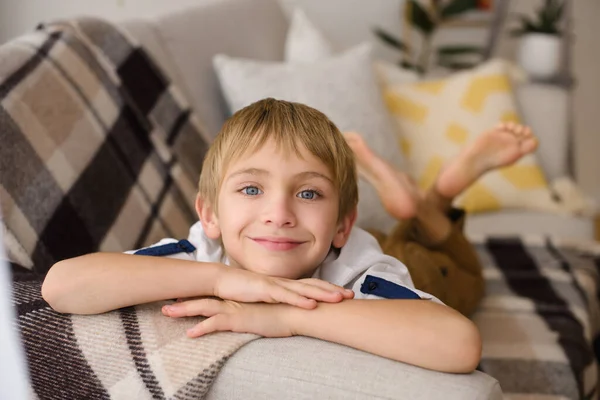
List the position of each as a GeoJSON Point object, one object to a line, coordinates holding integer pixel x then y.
{"type": "Point", "coordinates": [250, 287]}
{"type": "Point", "coordinates": [267, 320]}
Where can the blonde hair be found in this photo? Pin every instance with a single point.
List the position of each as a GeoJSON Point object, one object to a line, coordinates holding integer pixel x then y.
{"type": "Point", "coordinates": [288, 124]}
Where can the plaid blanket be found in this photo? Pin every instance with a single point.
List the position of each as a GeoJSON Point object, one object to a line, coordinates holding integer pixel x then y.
{"type": "Point", "coordinates": [100, 152]}
{"type": "Point", "coordinates": [132, 353]}
{"type": "Point", "coordinates": [539, 319]}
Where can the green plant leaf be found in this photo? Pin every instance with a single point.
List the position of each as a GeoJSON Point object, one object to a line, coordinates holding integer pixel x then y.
{"type": "Point", "coordinates": [527, 26]}
{"type": "Point", "coordinates": [411, 66]}
{"type": "Point", "coordinates": [458, 50]}
{"type": "Point", "coordinates": [456, 7]}
{"type": "Point", "coordinates": [390, 40]}
{"type": "Point", "coordinates": [419, 17]}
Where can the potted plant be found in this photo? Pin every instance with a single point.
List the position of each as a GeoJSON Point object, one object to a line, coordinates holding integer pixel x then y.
{"type": "Point", "coordinates": [427, 17]}
{"type": "Point", "coordinates": [539, 50]}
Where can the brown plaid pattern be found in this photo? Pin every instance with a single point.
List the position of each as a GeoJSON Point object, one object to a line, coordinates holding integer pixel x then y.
{"type": "Point", "coordinates": [539, 318]}
{"type": "Point", "coordinates": [132, 353]}
{"type": "Point", "coordinates": [100, 151]}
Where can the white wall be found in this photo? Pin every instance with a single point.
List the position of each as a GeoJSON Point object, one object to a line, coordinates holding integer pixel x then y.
{"type": "Point", "coordinates": [346, 21]}
{"type": "Point", "coordinates": [587, 94]}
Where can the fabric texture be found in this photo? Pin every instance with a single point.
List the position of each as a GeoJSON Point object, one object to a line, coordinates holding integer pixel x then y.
{"type": "Point", "coordinates": [131, 353]}
{"type": "Point", "coordinates": [102, 152]}
{"type": "Point", "coordinates": [343, 87]}
{"type": "Point", "coordinates": [449, 270]}
{"type": "Point", "coordinates": [304, 42]}
{"type": "Point", "coordinates": [437, 119]}
{"type": "Point", "coordinates": [539, 319]}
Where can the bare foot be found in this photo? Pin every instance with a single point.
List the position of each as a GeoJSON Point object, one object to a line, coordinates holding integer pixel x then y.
{"type": "Point", "coordinates": [499, 147]}
{"type": "Point", "coordinates": [397, 192]}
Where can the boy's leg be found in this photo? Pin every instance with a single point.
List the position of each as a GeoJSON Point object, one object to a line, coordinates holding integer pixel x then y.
{"type": "Point", "coordinates": [431, 242]}
{"type": "Point", "coordinates": [403, 200]}
{"type": "Point", "coordinates": [499, 147]}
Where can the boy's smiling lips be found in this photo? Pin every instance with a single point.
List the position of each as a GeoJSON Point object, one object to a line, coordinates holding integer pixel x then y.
{"type": "Point", "coordinates": [277, 242]}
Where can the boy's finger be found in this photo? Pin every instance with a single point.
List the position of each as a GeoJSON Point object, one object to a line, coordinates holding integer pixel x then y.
{"type": "Point", "coordinates": [216, 323]}
{"type": "Point", "coordinates": [285, 295]}
{"type": "Point", "coordinates": [347, 293]}
{"type": "Point", "coordinates": [315, 292]}
{"type": "Point", "coordinates": [192, 308]}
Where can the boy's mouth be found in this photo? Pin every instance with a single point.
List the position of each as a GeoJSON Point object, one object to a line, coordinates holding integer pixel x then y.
{"type": "Point", "coordinates": [277, 243]}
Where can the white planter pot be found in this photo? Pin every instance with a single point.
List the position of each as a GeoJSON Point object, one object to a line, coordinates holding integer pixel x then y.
{"type": "Point", "coordinates": [539, 55]}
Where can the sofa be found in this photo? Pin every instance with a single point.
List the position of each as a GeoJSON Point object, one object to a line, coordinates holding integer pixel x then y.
{"type": "Point", "coordinates": [183, 44]}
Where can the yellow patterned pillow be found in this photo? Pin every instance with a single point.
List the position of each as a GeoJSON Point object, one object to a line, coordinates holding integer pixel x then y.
{"type": "Point", "coordinates": [436, 119]}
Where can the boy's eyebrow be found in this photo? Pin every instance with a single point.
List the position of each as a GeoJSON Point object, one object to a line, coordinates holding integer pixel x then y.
{"type": "Point", "coordinates": [258, 172]}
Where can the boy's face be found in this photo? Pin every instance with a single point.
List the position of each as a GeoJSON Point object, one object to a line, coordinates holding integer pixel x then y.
{"type": "Point", "coordinates": [277, 213]}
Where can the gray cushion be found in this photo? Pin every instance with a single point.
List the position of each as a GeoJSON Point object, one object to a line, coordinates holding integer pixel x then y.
{"type": "Point", "coordinates": [305, 368]}
{"type": "Point", "coordinates": [241, 28]}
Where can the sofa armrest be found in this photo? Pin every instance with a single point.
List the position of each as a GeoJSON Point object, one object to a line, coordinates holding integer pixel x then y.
{"type": "Point", "coordinates": [307, 368]}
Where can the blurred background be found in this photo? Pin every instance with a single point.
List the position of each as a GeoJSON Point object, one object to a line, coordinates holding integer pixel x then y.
{"type": "Point", "coordinates": [347, 22]}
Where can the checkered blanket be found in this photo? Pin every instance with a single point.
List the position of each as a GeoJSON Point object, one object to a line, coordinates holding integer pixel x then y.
{"type": "Point", "coordinates": [539, 319]}
{"type": "Point", "coordinates": [132, 353]}
{"type": "Point", "coordinates": [100, 152]}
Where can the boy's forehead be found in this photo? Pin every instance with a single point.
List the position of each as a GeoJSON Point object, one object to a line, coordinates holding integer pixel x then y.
{"type": "Point", "coordinates": [273, 157]}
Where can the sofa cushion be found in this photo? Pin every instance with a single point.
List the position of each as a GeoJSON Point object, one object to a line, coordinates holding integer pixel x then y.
{"type": "Point", "coordinates": [99, 155]}
{"type": "Point", "coordinates": [343, 87]}
{"type": "Point", "coordinates": [307, 368]}
{"type": "Point", "coordinates": [241, 28]}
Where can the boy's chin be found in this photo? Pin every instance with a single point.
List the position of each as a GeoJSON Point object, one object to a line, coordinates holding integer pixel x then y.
{"type": "Point", "coordinates": [277, 269]}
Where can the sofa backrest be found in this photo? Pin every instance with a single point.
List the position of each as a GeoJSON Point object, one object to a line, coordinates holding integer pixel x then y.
{"type": "Point", "coordinates": [190, 38]}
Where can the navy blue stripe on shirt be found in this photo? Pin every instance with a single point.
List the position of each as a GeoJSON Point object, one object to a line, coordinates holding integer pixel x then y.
{"type": "Point", "coordinates": [183, 246]}
{"type": "Point", "coordinates": [390, 290]}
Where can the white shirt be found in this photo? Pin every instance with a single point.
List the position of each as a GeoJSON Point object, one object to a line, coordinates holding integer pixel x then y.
{"type": "Point", "coordinates": [361, 265]}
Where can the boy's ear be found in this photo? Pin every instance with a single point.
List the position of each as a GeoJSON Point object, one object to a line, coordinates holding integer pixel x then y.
{"type": "Point", "coordinates": [208, 218]}
{"type": "Point", "coordinates": [344, 228]}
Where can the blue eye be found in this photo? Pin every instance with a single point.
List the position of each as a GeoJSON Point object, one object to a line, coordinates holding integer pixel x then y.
{"type": "Point", "coordinates": [251, 191]}
{"type": "Point", "coordinates": [308, 194]}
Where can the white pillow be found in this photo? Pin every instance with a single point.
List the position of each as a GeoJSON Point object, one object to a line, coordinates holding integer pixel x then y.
{"type": "Point", "coordinates": [305, 43]}
{"type": "Point", "coordinates": [343, 87]}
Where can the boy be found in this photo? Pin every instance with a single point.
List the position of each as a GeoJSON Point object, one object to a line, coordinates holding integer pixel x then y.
{"type": "Point", "coordinates": [277, 203]}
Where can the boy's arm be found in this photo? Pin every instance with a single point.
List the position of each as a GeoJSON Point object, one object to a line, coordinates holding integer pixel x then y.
{"type": "Point", "coordinates": [418, 332]}
{"type": "Point", "coordinates": [100, 282]}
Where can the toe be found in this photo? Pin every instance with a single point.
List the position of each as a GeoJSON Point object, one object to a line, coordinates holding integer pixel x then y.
{"type": "Point", "coordinates": [501, 126]}
{"type": "Point", "coordinates": [519, 130]}
{"type": "Point", "coordinates": [529, 145]}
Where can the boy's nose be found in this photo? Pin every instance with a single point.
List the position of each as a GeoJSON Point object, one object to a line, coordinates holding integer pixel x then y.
{"type": "Point", "coordinates": [280, 213]}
